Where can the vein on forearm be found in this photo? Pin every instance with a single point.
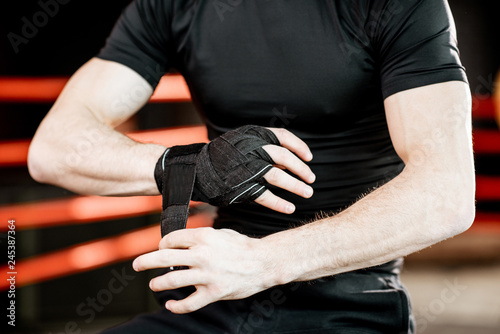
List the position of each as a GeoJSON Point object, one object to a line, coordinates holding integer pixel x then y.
{"type": "Point", "coordinates": [409, 213]}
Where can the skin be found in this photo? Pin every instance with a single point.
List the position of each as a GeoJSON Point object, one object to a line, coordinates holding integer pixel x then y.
{"type": "Point", "coordinates": [76, 147]}
{"type": "Point", "coordinates": [431, 200]}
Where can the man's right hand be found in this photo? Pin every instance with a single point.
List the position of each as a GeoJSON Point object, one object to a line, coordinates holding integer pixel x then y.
{"type": "Point", "coordinates": [77, 148]}
{"type": "Point", "coordinates": [234, 168]}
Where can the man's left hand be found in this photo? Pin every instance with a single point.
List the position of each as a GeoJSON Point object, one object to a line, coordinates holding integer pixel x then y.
{"type": "Point", "coordinates": [222, 265]}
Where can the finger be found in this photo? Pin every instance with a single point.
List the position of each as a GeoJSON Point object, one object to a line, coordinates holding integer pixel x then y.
{"type": "Point", "coordinates": [273, 202]}
{"type": "Point", "coordinates": [285, 181]}
{"type": "Point", "coordinates": [283, 157]}
{"type": "Point", "coordinates": [177, 279]}
{"type": "Point", "coordinates": [293, 143]}
{"type": "Point", "coordinates": [193, 302]}
{"type": "Point", "coordinates": [162, 259]}
{"type": "Point", "coordinates": [184, 238]}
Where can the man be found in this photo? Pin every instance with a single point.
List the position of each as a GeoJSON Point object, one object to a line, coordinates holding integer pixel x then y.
{"type": "Point", "coordinates": [374, 89]}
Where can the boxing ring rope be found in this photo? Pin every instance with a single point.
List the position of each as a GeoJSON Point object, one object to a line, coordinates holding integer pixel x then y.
{"type": "Point", "coordinates": [486, 142]}
{"type": "Point", "coordinates": [15, 152]}
{"type": "Point", "coordinates": [483, 107]}
{"type": "Point", "coordinates": [77, 210]}
{"type": "Point", "coordinates": [87, 209]}
{"type": "Point", "coordinates": [172, 88]}
{"type": "Point", "coordinates": [94, 254]}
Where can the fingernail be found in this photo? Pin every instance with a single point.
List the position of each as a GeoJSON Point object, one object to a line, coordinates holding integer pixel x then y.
{"type": "Point", "coordinates": [309, 156]}
{"type": "Point", "coordinates": [312, 178]}
{"type": "Point", "coordinates": [308, 192]}
{"type": "Point", "coordinates": [290, 208]}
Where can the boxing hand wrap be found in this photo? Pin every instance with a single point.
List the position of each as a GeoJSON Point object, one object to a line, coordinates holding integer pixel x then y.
{"type": "Point", "coordinates": [227, 170]}
{"type": "Point", "coordinates": [175, 174]}
{"type": "Point", "coordinates": [230, 169]}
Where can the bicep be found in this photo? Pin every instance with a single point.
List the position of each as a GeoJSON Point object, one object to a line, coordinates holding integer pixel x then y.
{"type": "Point", "coordinates": [106, 91]}
{"type": "Point", "coordinates": [431, 124]}
{"type": "Point", "coordinates": [99, 96]}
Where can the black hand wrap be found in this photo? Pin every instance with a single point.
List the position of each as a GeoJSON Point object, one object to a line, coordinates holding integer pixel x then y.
{"type": "Point", "coordinates": [227, 170]}
{"type": "Point", "coordinates": [175, 174]}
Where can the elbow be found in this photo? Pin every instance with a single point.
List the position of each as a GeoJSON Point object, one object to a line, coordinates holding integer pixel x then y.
{"type": "Point", "coordinates": [39, 161]}
{"type": "Point", "coordinates": [464, 218]}
{"type": "Point", "coordinates": [460, 216]}
{"type": "Point", "coordinates": [35, 164]}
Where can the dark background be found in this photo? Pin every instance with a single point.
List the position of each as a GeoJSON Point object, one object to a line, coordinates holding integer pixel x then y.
{"type": "Point", "coordinates": [73, 35]}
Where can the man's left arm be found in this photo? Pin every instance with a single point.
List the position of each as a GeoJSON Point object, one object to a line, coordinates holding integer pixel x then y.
{"type": "Point", "coordinates": [431, 200]}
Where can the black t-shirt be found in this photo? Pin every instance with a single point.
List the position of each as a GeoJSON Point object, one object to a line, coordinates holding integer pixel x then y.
{"type": "Point", "coordinates": [320, 68]}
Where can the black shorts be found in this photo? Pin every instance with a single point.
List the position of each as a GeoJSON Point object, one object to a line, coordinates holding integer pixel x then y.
{"type": "Point", "coordinates": [360, 302]}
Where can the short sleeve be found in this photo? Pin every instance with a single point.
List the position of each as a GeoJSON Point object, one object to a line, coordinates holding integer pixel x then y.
{"type": "Point", "coordinates": [140, 39]}
{"type": "Point", "coordinates": [416, 45]}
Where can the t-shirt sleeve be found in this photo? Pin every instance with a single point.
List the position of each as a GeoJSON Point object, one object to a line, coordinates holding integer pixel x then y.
{"type": "Point", "coordinates": [140, 39]}
{"type": "Point", "coordinates": [416, 45]}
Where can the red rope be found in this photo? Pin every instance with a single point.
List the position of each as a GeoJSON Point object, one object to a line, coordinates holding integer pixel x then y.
{"type": "Point", "coordinates": [172, 88]}
{"type": "Point", "coordinates": [486, 142]}
{"type": "Point", "coordinates": [93, 254]}
{"type": "Point", "coordinates": [15, 152]}
{"type": "Point", "coordinates": [483, 107]}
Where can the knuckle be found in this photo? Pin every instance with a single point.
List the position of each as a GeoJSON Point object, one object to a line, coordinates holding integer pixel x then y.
{"type": "Point", "coordinates": [272, 175]}
{"type": "Point", "coordinates": [284, 132]}
{"type": "Point", "coordinates": [187, 306]}
{"type": "Point", "coordinates": [166, 241]}
{"type": "Point", "coordinates": [262, 198]}
{"type": "Point", "coordinates": [162, 257]}
{"type": "Point", "coordinates": [200, 233]}
{"type": "Point", "coordinates": [281, 134]}
{"type": "Point", "coordinates": [228, 231]}
{"type": "Point", "coordinates": [304, 169]}
{"type": "Point", "coordinates": [203, 256]}
{"type": "Point", "coordinates": [278, 130]}
{"type": "Point", "coordinates": [171, 280]}
{"type": "Point", "coordinates": [215, 291]}
{"type": "Point", "coordinates": [277, 203]}
{"type": "Point", "coordinates": [297, 185]}
{"type": "Point", "coordinates": [191, 307]}
{"type": "Point", "coordinates": [281, 154]}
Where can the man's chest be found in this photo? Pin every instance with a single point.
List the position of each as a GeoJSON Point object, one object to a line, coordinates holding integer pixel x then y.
{"type": "Point", "coordinates": [293, 67]}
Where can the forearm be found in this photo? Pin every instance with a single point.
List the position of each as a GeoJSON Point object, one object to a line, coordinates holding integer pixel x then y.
{"type": "Point", "coordinates": [92, 158]}
{"type": "Point", "coordinates": [431, 200]}
{"type": "Point", "coordinates": [77, 148]}
{"type": "Point", "coordinates": [411, 212]}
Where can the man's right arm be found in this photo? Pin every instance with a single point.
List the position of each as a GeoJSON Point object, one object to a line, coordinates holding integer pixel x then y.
{"type": "Point", "coordinates": [77, 148]}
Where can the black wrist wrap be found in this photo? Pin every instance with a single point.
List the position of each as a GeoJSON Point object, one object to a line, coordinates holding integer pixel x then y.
{"type": "Point", "coordinates": [230, 169]}
{"type": "Point", "coordinates": [177, 167]}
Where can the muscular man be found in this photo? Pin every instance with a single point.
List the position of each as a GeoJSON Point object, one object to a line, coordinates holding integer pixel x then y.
{"type": "Point", "coordinates": [374, 89]}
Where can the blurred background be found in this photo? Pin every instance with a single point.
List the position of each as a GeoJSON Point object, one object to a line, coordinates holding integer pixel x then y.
{"type": "Point", "coordinates": [455, 286]}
